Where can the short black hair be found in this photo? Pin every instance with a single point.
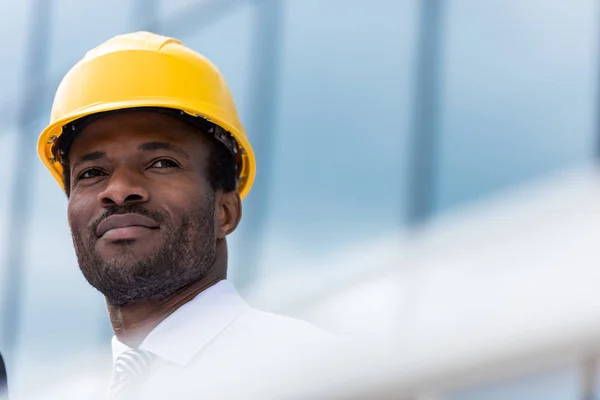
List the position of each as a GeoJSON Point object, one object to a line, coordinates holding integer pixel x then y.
{"type": "Point", "coordinates": [222, 168]}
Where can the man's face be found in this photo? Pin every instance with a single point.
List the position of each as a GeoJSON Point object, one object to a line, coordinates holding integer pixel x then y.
{"type": "Point", "coordinates": [141, 210]}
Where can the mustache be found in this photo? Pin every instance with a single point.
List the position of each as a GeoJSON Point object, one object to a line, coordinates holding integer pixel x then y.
{"type": "Point", "coordinates": [159, 218]}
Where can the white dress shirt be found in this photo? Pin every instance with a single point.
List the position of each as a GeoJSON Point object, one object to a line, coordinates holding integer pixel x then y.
{"type": "Point", "coordinates": [216, 345]}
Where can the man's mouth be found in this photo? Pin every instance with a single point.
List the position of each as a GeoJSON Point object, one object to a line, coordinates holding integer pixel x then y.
{"type": "Point", "coordinates": [125, 224]}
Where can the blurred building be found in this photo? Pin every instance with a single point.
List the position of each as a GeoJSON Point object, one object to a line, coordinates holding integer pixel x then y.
{"type": "Point", "coordinates": [371, 121]}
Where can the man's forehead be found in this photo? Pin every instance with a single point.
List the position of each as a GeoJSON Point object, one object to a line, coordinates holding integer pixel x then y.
{"type": "Point", "coordinates": [133, 129]}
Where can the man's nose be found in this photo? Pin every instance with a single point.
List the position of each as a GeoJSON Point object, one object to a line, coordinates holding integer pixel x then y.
{"type": "Point", "coordinates": [123, 188]}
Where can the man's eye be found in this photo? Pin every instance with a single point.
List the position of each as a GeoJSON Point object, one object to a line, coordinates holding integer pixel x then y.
{"type": "Point", "coordinates": [90, 173]}
{"type": "Point", "coordinates": [164, 163]}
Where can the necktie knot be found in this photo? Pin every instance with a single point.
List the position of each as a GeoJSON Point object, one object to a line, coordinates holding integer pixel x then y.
{"type": "Point", "coordinates": [130, 371]}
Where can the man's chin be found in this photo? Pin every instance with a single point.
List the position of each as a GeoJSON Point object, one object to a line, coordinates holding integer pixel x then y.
{"type": "Point", "coordinates": [134, 248]}
{"type": "Point", "coordinates": [123, 284]}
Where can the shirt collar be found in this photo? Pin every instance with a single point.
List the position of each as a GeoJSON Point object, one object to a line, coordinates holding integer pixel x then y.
{"type": "Point", "coordinates": [185, 332]}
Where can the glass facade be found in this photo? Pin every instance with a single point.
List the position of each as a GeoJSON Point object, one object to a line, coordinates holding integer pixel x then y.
{"type": "Point", "coordinates": [342, 124]}
{"type": "Point", "coordinates": [509, 68]}
{"type": "Point", "coordinates": [334, 85]}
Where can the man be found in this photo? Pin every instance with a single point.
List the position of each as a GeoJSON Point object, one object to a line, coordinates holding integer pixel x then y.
{"type": "Point", "coordinates": [3, 380]}
{"type": "Point", "coordinates": [145, 140]}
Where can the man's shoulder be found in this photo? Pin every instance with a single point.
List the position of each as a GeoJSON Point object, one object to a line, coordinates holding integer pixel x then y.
{"type": "Point", "coordinates": [271, 323]}
{"type": "Point", "coordinates": [256, 343]}
{"type": "Point", "coordinates": [260, 326]}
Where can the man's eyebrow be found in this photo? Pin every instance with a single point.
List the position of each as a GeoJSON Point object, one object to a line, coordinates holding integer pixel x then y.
{"type": "Point", "coordinates": [96, 155]}
{"type": "Point", "coordinates": [152, 146]}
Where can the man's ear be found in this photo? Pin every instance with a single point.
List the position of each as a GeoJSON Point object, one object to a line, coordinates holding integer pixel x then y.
{"type": "Point", "coordinates": [228, 212]}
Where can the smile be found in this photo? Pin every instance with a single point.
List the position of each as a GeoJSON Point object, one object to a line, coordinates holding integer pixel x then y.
{"type": "Point", "coordinates": [125, 226]}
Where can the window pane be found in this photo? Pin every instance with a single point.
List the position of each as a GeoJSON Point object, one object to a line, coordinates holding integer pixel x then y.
{"type": "Point", "coordinates": [8, 141]}
{"type": "Point", "coordinates": [13, 42]}
{"type": "Point", "coordinates": [14, 36]}
{"type": "Point", "coordinates": [78, 26]}
{"type": "Point", "coordinates": [175, 8]}
{"type": "Point", "coordinates": [519, 96]}
{"type": "Point", "coordinates": [340, 165]}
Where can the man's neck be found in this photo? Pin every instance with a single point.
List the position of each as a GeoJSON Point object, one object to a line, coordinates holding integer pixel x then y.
{"type": "Point", "coordinates": [134, 321]}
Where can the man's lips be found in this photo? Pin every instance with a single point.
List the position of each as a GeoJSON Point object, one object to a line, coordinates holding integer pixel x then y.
{"type": "Point", "coordinates": [125, 221]}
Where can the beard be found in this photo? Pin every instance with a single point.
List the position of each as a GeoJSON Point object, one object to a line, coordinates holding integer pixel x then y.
{"type": "Point", "coordinates": [186, 255]}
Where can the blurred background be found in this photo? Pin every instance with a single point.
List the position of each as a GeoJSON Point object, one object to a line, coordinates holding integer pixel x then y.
{"type": "Point", "coordinates": [427, 169]}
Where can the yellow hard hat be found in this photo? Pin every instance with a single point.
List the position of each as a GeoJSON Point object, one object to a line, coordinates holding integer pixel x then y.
{"type": "Point", "coordinates": [142, 69]}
